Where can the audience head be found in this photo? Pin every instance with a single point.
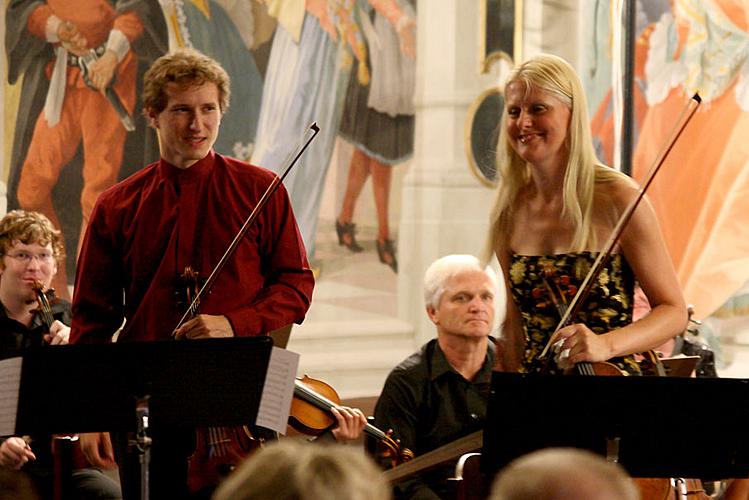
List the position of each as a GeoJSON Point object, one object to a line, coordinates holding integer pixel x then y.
{"type": "Point", "coordinates": [292, 469]}
{"type": "Point", "coordinates": [561, 473]}
{"type": "Point", "coordinates": [185, 68]}
{"type": "Point", "coordinates": [17, 485]}
{"type": "Point", "coordinates": [29, 228]}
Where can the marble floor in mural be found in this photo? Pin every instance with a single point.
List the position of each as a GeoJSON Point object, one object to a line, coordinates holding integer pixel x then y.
{"type": "Point", "coordinates": [352, 282]}
{"type": "Point", "coordinates": [351, 335]}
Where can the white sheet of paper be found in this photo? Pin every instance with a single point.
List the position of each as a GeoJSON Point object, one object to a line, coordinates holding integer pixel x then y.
{"type": "Point", "coordinates": [10, 385]}
{"type": "Point", "coordinates": [275, 403]}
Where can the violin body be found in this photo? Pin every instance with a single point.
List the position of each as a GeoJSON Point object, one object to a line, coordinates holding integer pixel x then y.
{"type": "Point", "coordinates": [218, 451]}
{"type": "Point", "coordinates": [670, 489]}
{"type": "Point", "coordinates": [601, 369]}
{"type": "Point", "coordinates": [651, 488]}
{"type": "Point", "coordinates": [307, 415]}
{"type": "Point", "coordinates": [310, 414]}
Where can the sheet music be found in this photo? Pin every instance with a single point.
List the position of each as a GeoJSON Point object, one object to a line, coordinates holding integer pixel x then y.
{"type": "Point", "coordinates": [10, 385]}
{"type": "Point", "coordinates": [278, 390]}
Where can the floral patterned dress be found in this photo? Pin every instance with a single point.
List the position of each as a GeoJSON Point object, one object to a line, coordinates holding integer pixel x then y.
{"type": "Point", "coordinates": [541, 285]}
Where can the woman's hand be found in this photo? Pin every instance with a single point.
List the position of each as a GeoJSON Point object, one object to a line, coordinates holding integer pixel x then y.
{"type": "Point", "coordinates": [579, 344]}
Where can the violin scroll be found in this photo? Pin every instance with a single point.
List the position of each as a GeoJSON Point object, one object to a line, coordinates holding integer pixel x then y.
{"type": "Point", "coordinates": [390, 450]}
{"type": "Point", "coordinates": [44, 298]}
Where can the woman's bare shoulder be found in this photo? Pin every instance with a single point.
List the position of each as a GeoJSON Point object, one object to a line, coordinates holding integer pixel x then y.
{"type": "Point", "coordinates": [616, 190]}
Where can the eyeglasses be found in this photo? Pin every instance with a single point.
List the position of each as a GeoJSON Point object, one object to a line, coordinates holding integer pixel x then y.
{"type": "Point", "coordinates": [44, 257]}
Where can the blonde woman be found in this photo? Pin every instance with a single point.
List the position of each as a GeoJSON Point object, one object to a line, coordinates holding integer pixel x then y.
{"type": "Point", "coordinates": [555, 209]}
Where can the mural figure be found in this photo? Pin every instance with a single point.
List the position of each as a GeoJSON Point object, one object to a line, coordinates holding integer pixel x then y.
{"type": "Point", "coordinates": [378, 118]}
{"type": "Point", "coordinates": [698, 194]}
{"type": "Point", "coordinates": [310, 62]}
{"type": "Point", "coordinates": [80, 62]}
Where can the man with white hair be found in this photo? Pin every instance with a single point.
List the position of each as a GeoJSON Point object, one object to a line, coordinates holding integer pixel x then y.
{"type": "Point", "coordinates": [440, 393]}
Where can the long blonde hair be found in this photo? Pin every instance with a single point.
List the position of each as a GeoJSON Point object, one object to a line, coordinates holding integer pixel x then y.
{"type": "Point", "coordinates": [554, 75]}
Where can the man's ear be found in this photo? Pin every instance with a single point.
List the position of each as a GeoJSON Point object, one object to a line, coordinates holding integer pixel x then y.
{"type": "Point", "coordinates": [433, 314]}
{"type": "Point", "coordinates": [152, 118]}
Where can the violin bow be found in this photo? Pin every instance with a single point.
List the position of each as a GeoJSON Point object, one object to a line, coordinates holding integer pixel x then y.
{"type": "Point", "coordinates": [684, 118]}
{"type": "Point", "coordinates": [291, 160]}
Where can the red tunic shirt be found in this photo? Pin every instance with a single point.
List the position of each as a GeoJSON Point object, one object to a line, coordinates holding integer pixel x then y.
{"type": "Point", "coordinates": [145, 230]}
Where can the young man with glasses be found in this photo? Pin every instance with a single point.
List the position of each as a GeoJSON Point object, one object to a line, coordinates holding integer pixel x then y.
{"type": "Point", "coordinates": [30, 251]}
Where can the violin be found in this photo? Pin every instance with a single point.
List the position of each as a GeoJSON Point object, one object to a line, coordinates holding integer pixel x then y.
{"type": "Point", "coordinates": [310, 414]}
{"type": "Point", "coordinates": [673, 488]}
{"type": "Point", "coordinates": [585, 368]}
{"type": "Point", "coordinates": [45, 300]}
{"type": "Point", "coordinates": [66, 448]}
{"type": "Point", "coordinates": [219, 449]}
{"type": "Point", "coordinates": [650, 488]}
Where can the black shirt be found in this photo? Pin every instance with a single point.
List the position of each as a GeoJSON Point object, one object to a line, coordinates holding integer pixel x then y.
{"type": "Point", "coordinates": [15, 339]}
{"type": "Point", "coordinates": [428, 404]}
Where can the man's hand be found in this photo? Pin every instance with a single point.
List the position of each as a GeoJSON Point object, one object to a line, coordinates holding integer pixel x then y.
{"type": "Point", "coordinates": [205, 326]}
{"type": "Point", "coordinates": [71, 39]}
{"type": "Point", "coordinates": [351, 423]}
{"type": "Point", "coordinates": [58, 334]}
{"type": "Point", "coordinates": [102, 70]}
{"type": "Point", "coordinates": [14, 452]}
{"type": "Point", "coordinates": [97, 448]}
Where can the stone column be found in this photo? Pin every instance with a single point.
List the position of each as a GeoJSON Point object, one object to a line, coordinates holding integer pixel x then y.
{"type": "Point", "coordinates": [444, 206]}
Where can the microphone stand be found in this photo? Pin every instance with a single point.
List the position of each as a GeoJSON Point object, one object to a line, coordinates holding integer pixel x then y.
{"type": "Point", "coordinates": [142, 443]}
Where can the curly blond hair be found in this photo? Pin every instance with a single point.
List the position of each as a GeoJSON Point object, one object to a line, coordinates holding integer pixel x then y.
{"type": "Point", "coordinates": [30, 228]}
{"type": "Point", "coordinates": [185, 67]}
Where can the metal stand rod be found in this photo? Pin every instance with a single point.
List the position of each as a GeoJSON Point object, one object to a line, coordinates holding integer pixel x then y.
{"type": "Point", "coordinates": [612, 450]}
{"type": "Point", "coordinates": [143, 444]}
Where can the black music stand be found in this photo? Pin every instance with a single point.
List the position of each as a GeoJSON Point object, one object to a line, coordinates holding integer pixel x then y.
{"type": "Point", "coordinates": [130, 386]}
{"type": "Point", "coordinates": [654, 426]}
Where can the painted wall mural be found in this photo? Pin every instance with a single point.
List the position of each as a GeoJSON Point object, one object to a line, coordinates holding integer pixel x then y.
{"type": "Point", "coordinates": [348, 64]}
{"type": "Point", "coordinates": [683, 47]}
